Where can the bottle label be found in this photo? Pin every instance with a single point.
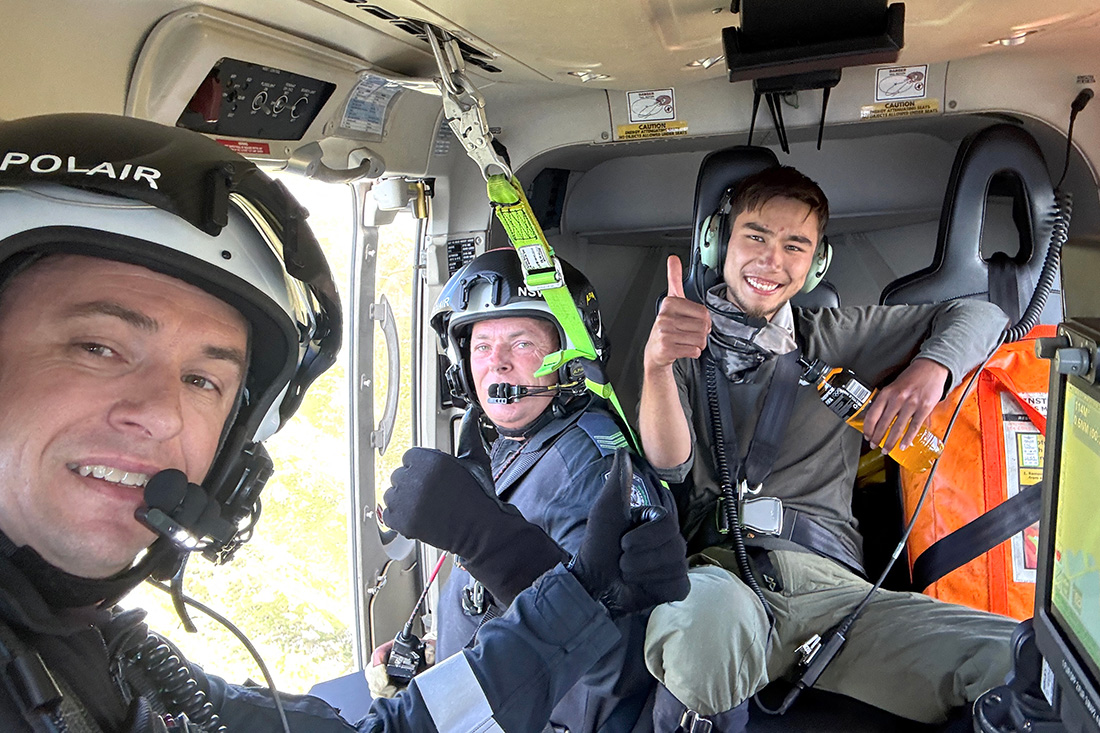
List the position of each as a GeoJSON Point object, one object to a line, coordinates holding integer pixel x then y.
{"type": "Point", "coordinates": [846, 398]}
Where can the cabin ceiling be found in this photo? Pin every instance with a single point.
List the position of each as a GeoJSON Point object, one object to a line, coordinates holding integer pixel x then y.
{"type": "Point", "coordinates": [648, 43]}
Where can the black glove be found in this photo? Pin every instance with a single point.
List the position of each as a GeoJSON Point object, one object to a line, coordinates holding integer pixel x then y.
{"type": "Point", "coordinates": [450, 503]}
{"type": "Point", "coordinates": [630, 569]}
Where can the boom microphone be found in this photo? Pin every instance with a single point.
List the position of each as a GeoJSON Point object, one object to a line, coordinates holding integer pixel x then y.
{"type": "Point", "coordinates": [505, 394]}
{"type": "Point", "coordinates": [182, 511]}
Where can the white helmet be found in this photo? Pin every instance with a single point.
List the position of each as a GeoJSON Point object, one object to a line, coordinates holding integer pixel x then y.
{"type": "Point", "coordinates": [181, 204]}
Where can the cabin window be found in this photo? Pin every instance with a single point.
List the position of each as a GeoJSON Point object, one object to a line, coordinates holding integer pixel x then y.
{"type": "Point", "coordinates": [289, 589]}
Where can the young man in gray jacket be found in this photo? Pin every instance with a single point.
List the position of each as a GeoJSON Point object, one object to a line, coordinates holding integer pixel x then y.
{"type": "Point", "coordinates": [909, 654]}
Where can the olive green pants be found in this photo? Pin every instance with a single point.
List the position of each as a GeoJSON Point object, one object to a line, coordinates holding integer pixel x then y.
{"type": "Point", "coordinates": [908, 653]}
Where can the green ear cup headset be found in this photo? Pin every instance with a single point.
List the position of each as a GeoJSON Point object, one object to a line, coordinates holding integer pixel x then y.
{"type": "Point", "coordinates": [715, 239]}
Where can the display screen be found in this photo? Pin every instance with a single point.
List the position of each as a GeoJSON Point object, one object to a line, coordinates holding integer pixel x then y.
{"type": "Point", "coordinates": [1075, 584]}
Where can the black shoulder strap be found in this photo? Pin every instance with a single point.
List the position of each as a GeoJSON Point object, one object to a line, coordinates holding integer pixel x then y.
{"type": "Point", "coordinates": [771, 426]}
{"type": "Point", "coordinates": [977, 536]}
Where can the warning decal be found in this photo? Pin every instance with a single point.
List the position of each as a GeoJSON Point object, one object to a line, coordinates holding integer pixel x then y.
{"type": "Point", "coordinates": [534, 257]}
{"type": "Point", "coordinates": [651, 129]}
{"type": "Point", "coordinates": [368, 104]}
{"type": "Point", "coordinates": [651, 105]}
{"type": "Point", "coordinates": [1023, 445]}
{"type": "Point", "coordinates": [904, 108]}
{"type": "Point", "coordinates": [900, 82]}
{"type": "Point", "coordinates": [244, 147]}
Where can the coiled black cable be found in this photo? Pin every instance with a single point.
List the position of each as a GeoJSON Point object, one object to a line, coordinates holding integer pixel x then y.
{"type": "Point", "coordinates": [178, 689]}
{"type": "Point", "coordinates": [156, 669]}
{"type": "Point", "coordinates": [728, 498]}
{"type": "Point", "coordinates": [1059, 233]}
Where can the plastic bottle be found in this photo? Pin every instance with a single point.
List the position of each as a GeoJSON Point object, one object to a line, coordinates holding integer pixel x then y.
{"type": "Point", "coordinates": [847, 397]}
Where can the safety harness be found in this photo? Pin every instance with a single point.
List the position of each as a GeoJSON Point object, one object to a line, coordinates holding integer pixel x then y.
{"type": "Point", "coordinates": [741, 478]}
{"type": "Point", "coordinates": [464, 108]}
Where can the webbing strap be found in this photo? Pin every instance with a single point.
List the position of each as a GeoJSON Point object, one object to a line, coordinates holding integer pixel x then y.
{"type": "Point", "coordinates": [542, 273]}
{"type": "Point", "coordinates": [978, 536]}
{"type": "Point", "coordinates": [771, 424]}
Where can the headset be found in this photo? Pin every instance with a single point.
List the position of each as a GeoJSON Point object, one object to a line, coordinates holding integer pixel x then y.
{"type": "Point", "coordinates": [714, 241]}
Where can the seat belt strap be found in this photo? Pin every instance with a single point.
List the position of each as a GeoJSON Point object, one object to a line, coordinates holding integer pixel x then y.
{"type": "Point", "coordinates": [771, 428]}
{"type": "Point", "coordinates": [771, 425]}
{"type": "Point", "coordinates": [978, 536]}
{"type": "Point", "coordinates": [800, 528]}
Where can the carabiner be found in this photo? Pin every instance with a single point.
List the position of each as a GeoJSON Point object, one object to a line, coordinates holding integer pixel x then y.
{"type": "Point", "coordinates": [463, 104]}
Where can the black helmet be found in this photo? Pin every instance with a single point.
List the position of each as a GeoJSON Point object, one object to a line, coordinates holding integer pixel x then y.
{"type": "Point", "coordinates": [491, 286]}
{"type": "Point", "coordinates": [179, 203]}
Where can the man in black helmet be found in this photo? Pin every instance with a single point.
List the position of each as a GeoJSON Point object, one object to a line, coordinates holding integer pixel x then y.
{"type": "Point", "coordinates": [150, 339]}
{"type": "Point", "coordinates": [553, 444]}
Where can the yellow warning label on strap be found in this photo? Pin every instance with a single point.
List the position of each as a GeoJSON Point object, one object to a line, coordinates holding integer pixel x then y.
{"type": "Point", "coordinates": [644, 130]}
{"type": "Point", "coordinates": [899, 108]}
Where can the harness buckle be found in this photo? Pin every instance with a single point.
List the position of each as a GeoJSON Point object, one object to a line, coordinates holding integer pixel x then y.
{"type": "Point", "coordinates": [720, 514]}
{"type": "Point", "coordinates": [473, 599]}
{"type": "Point", "coordinates": [743, 488]}
{"type": "Point", "coordinates": [559, 276]}
{"type": "Point", "coordinates": [763, 515]}
{"type": "Point", "coordinates": [692, 722]}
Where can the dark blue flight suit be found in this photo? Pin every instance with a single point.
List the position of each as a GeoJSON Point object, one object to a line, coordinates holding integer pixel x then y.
{"type": "Point", "coordinates": [552, 477]}
{"type": "Point", "coordinates": [525, 661]}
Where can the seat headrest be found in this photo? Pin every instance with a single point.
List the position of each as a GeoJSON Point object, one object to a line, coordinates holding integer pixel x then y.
{"type": "Point", "coordinates": [719, 172]}
{"type": "Point", "coordinates": [825, 295]}
{"type": "Point", "coordinates": [1002, 156]}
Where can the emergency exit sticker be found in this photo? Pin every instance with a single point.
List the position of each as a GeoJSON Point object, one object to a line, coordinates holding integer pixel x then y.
{"type": "Point", "coordinates": [651, 105]}
{"type": "Point", "coordinates": [900, 82]}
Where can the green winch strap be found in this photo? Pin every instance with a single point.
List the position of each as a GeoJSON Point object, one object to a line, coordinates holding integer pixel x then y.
{"type": "Point", "coordinates": [541, 272]}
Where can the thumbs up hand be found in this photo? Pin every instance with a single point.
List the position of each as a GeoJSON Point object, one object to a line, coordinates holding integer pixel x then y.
{"type": "Point", "coordinates": [682, 325]}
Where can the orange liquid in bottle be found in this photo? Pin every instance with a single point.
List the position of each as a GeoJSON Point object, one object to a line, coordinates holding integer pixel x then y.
{"type": "Point", "coordinates": [919, 456]}
{"type": "Point", "coordinates": [848, 399]}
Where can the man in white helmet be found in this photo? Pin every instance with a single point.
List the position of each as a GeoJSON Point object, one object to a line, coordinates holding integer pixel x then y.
{"type": "Point", "coordinates": [163, 308]}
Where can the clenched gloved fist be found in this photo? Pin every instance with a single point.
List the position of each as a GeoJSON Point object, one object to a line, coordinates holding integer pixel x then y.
{"type": "Point", "coordinates": [630, 559]}
{"type": "Point", "coordinates": [450, 503]}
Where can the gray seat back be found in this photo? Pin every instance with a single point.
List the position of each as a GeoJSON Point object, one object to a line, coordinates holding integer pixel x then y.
{"type": "Point", "coordinates": [1002, 159]}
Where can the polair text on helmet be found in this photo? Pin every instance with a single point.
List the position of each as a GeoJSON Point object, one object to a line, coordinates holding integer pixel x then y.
{"type": "Point", "coordinates": [48, 163]}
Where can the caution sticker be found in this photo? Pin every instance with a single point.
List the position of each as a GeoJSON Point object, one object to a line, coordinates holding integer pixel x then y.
{"type": "Point", "coordinates": [368, 104]}
{"type": "Point", "coordinates": [901, 108]}
{"type": "Point", "coordinates": [645, 130]}
{"type": "Point", "coordinates": [900, 82]}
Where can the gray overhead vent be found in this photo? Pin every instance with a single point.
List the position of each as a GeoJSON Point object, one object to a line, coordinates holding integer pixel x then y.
{"type": "Point", "coordinates": [471, 55]}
